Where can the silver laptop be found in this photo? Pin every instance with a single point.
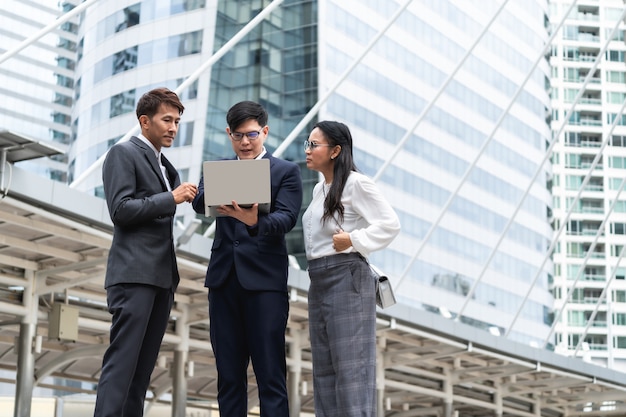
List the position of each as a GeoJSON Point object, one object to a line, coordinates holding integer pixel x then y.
{"type": "Point", "coordinates": [245, 181]}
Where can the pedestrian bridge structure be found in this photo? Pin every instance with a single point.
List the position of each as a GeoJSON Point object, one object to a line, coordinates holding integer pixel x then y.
{"type": "Point", "coordinates": [54, 330]}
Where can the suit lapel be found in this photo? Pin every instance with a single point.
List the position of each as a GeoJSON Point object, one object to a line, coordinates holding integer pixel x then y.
{"type": "Point", "coordinates": [152, 160]}
{"type": "Point", "coordinates": [172, 174]}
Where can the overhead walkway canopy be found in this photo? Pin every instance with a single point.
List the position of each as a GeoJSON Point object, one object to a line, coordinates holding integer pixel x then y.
{"type": "Point", "coordinates": [53, 247]}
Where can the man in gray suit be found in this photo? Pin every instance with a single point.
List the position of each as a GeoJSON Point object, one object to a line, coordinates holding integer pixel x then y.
{"type": "Point", "coordinates": [142, 190]}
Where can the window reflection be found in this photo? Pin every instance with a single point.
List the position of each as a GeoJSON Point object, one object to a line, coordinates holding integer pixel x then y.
{"type": "Point", "coordinates": [180, 6]}
{"type": "Point", "coordinates": [184, 136]}
{"type": "Point", "coordinates": [122, 103]}
{"type": "Point", "coordinates": [143, 12]}
{"type": "Point", "coordinates": [130, 17]}
{"type": "Point", "coordinates": [126, 102]}
{"type": "Point", "coordinates": [159, 50]}
{"type": "Point", "coordinates": [391, 132]}
{"type": "Point", "coordinates": [432, 275]}
{"type": "Point", "coordinates": [125, 60]}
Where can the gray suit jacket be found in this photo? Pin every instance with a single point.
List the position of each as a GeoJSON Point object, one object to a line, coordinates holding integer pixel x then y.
{"type": "Point", "coordinates": [142, 210]}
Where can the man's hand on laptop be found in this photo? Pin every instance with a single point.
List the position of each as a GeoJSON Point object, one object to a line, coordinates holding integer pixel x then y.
{"type": "Point", "coordinates": [246, 215]}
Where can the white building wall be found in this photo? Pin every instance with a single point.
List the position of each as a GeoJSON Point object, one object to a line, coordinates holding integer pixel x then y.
{"type": "Point", "coordinates": [594, 291]}
{"type": "Point", "coordinates": [438, 34]}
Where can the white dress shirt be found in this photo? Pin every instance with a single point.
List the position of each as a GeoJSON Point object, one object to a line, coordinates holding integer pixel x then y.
{"type": "Point", "coordinates": [368, 217]}
{"type": "Point", "coordinates": [158, 157]}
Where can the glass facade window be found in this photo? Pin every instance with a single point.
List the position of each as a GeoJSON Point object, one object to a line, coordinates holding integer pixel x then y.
{"type": "Point", "coordinates": [122, 103]}
{"type": "Point", "coordinates": [134, 14]}
{"type": "Point", "coordinates": [615, 56]}
{"type": "Point", "coordinates": [184, 136]}
{"type": "Point", "coordinates": [488, 295]}
{"type": "Point", "coordinates": [37, 81]}
{"type": "Point", "coordinates": [618, 77]}
{"type": "Point", "coordinates": [433, 150]}
{"type": "Point", "coordinates": [159, 50]}
{"type": "Point", "coordinates": [276, 65]}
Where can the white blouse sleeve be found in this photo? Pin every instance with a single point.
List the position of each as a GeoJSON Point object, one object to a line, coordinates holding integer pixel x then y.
{"type": "Point", "coordinates": [382, 221]}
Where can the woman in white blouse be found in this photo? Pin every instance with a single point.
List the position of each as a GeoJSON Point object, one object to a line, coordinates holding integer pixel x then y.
{"type": "Point", "coordinates": [347, 219]}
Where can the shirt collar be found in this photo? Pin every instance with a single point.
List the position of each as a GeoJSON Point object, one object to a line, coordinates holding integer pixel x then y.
{"type": "Point", "coordinates": [261, 155]}
{"type": "Point", "coordinates": [147, 142]}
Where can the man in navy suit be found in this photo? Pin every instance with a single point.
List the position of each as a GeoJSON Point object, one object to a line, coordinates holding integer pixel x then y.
{"type": "Point", "coordinates": [142, 191]}
{"type": "Point", "coordinates": [247, 276]}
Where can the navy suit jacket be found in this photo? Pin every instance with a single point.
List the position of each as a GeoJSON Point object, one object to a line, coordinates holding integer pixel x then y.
{"type": "Point", "coordinates": [142, 210]}
{"type": "Point", "coordinates": [259, 253]}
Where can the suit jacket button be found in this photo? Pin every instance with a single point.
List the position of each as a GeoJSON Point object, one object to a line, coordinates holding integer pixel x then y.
{"type": "Point", "coordinates": [236, 243]}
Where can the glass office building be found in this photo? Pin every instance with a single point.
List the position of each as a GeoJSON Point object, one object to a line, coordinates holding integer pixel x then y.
{"type": "Point", "coordinates": [37, 83]}
{"type": "Point", "coordinates": [588, 93]}
{"type": "Point", "coordinates": [456, 140]}
{"type": "Point", "coordinates": [469, 182]}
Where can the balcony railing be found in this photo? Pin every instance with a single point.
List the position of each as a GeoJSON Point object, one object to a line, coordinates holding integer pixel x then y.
{"type": "Point", "coordinates": [592, 210]}
{"type": "Point", "coordinates": [590, 144]}
{"type": "Point", "coordinates": [594, 187]}
{"type": "Point", "coordinates": [587, 165]}
{"type": "Point", "coordinates": [595, 323]}
{"type": "Point", "coordinates": [592, 346]}
{"type": "Point", "coordinates": [594, 255]}
{"type": "Point", "coordinates": [584, 232]}
{"type": "Point", "coordinates": [594, 277]}
{"type": "Point", "coordinates": [581, 79]}
{"type": "Point", "coordinates": [586, 16]}
{"type": "Point", "coordinates": [583, 165]}
{"type": "Point", "coordinates": [588, 37]}
{"type": "Point", "coordinates": [590, 122]}
{"type": "Point", "coordinates": [588, 300]}
{"type": "Point", "coordinates": [589, 100]}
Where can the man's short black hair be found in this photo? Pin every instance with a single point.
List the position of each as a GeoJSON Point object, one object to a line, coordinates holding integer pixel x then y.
{"type": "Point", "coordinates": [243, 111]}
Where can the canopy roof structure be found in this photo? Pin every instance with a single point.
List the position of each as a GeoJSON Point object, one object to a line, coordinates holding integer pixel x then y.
{"type": "Point", "coordinates": [53, 247]}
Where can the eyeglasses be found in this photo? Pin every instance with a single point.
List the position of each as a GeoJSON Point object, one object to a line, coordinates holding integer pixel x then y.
{"type": "Point", "coordinates": [312, 145]}
{"type": "Point", "coordinates": [250, 135]}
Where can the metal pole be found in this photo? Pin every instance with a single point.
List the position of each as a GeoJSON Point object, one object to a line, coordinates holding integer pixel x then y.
{"type": "Point", "coordinates": [380, 375]}
{"type": "Point", "coordinates": [25, 371]}
{"type": "Point", "coordinates": [179, 383]}
{"type": "Point", "coordinates": [25, 358]}
{"type": "Point", "coordinates": [181, 356]}
{"type": "Point", "coordinates": [295, 373]}
{"type": "Point", "coordinates": [3, 161]}
{"type": "Point", "coordinates": [58, 22]}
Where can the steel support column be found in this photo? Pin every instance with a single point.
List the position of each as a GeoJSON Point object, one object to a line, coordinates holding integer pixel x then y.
{"type": "Point", "coordinates": [295, 372]}
{"type": "Point", "coordinates": [25, 356]}
{"type": "Point", "coordinates": [497, 399]}
{"type": "Point", "coordinates": [537, 406]}
{"type": "Point", "coordinates": [380, 375]}
{"type": "Point", "coordinates": [180, 365]}
{"type": "Point", "coordinates": [448, 400]}
{"type": "Point", "coordinates": [179, 383]}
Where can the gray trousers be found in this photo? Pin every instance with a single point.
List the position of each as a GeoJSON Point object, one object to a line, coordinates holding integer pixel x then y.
{"type": "Point", "coordinates": [342, 326]}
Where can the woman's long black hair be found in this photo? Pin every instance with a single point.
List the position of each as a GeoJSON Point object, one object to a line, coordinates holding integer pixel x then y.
{"type": "Point", "coordinates": [337, 133]}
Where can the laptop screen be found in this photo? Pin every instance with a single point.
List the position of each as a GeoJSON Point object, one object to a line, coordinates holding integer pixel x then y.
{"type": "Point", "coordinates": [245, 181]}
